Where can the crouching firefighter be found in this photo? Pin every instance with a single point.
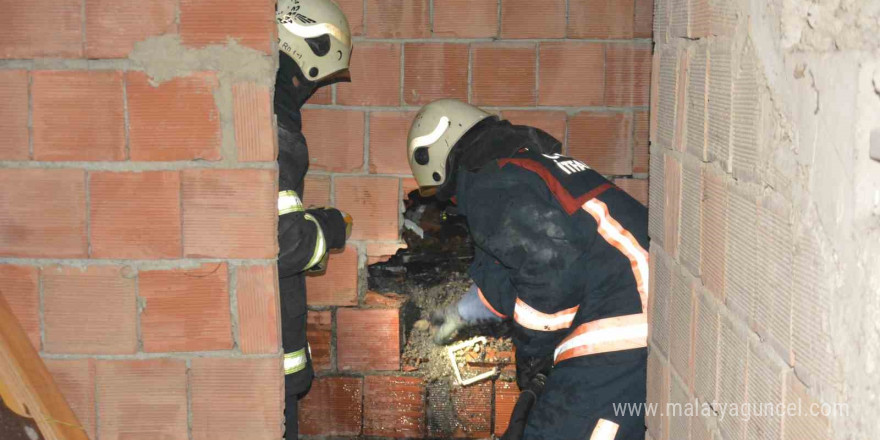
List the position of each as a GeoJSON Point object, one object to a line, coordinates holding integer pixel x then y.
{"type": "Point", "coordinates": [562, 252]}
{"type": "Point", "coordinates": [315, 45]}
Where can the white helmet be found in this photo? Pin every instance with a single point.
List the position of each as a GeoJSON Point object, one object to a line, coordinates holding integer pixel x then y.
{"type": "Point", "coordinates": [315, 34]}
{"type": "Point", "coordinates": [434, 131]}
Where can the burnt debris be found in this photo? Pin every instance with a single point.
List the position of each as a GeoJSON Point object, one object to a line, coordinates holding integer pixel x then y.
{"type": "Point", "coordinates": [429, 274]}
{"type": "Point", "coordinates": [438, 245]}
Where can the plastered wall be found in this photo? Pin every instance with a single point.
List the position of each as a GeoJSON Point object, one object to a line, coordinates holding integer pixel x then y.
{"type": "Point", "coordinates": [764, 208]}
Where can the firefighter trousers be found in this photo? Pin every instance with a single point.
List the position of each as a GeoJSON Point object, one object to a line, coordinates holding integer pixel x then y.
{"type": "Point", "coordinates": [587, 399]}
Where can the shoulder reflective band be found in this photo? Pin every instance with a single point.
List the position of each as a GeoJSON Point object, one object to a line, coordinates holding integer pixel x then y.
{"type": "Point", "coordinates": [532, 319]}
{"type": "Point", "coordinates": [604, 430]}
{"type": "Point", "coordinates": [320, 243]}
{"type": "Point", "coordinates": [288, 201]}
{"type": "Point", "coordinates": [295, 361]}
{"type": "Point", "coordinates": [604, 336]}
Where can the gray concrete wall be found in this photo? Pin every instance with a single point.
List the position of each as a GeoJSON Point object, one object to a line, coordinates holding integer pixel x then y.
{"type": "Point", "coordinates": [766, 217]}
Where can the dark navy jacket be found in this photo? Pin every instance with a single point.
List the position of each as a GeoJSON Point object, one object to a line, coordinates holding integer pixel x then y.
{"type": "Point", "coordinates": [541, 255]}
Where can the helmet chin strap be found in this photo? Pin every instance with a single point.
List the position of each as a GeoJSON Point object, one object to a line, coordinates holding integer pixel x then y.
{"type": "Point", "coordinates": [292, 91]}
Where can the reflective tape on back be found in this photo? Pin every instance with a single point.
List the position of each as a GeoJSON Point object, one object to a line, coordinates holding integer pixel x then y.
{"type": "Point", "coordinates": [621, 332]}
{"type": "Point", "coordinates": [623, 241]}
{"type": "Point", "coordinates": [289, 201]}
{"type": "Point", "coordinates": [295, 362]}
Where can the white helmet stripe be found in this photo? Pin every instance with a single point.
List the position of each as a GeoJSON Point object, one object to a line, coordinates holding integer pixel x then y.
{"type": "Point", "coordinates": [431, 137]}
{"type": "Point", "coordinates": [317, 30]}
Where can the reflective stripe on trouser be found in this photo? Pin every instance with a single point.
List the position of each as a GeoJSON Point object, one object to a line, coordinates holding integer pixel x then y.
{"type": "Point", "coordinates": [605, 430]}
{"type": "Point", "coordinates": [294, 318]}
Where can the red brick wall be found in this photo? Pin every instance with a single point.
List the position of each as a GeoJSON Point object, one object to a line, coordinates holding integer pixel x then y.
{"type": "Point", "coordinates": [137, 178]}
{"type": "Point", "coordinates": [138, 190]}
{"type": "Point", "coordinates": [580, 70]}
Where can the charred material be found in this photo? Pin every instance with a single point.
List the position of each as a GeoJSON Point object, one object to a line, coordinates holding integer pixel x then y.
{"type": "Point", "coordinates": [438, 245]}
{"type": "Point", "coordinates": [430, 274]}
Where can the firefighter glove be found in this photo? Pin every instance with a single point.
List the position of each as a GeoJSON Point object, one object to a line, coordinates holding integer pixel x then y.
{"type": "Point", "coordinates": [335, 225]}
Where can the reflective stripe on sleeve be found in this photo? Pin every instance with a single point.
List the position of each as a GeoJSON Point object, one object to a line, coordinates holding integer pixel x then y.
{"type": "Point", "coordinates": [604, 430]}
{"type": "Point", "coordinates": [289, 201]}
{"type": "Point", "coordinates": [489, 306]}
{"type": "Point", "coordinates": [295, 361]}
{"type": "Point", "coordinates": [320, 243]}
{"type": "Point", "coordinates": [533, 319]}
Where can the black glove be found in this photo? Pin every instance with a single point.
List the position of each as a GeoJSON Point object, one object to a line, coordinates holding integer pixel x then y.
{"type": "Point", "coordinates": [531, 375]}
{"type": "Point", "coordinates": [528, 368]}
{"type": "Point", "coordinates": [332, 224]}
{"type": "Point", "coordinates": [527, 399]}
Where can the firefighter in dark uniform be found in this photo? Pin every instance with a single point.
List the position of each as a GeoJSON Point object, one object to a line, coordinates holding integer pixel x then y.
{"type": "Point", "coordinates": [315, 44]}
{"type": "Point", "coordinates": [559, 250]}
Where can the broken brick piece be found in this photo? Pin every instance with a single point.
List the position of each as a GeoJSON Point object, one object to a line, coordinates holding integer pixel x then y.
{"type": "Point", "coordinates": [394, 406]}
{"type": "Point", "coordinates": [376, 299]}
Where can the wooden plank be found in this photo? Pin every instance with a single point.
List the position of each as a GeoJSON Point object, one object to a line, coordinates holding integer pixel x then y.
{"type": "Point", "coordinates": [27, 379]}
